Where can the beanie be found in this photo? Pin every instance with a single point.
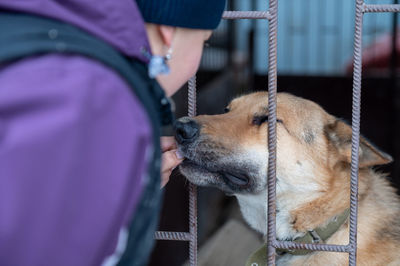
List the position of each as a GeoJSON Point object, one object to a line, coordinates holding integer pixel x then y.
{"type": "Point", "coordinates": [195, 14]}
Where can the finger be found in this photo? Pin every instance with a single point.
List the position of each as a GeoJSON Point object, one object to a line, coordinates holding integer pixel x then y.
{"type": "Point", "coordinates": [170, 160]}
{"type": "Point", "coordinates": [167, 143]}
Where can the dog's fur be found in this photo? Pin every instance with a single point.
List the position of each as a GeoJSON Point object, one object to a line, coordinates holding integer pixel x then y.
{"type": "Point", "coordinates": [313, 175]}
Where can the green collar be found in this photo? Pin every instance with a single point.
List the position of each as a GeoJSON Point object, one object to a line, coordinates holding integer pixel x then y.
{"type": "Point", "coordinates": [318, 235]}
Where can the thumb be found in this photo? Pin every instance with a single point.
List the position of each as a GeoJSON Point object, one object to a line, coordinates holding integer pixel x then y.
{"type": "Point", "coordinates": [170, 160]}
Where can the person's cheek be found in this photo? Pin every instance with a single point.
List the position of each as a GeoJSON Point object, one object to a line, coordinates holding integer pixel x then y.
{"type": "Point", "coordinates": [195, 62]}
{"type": "Point", "coordinates": [185, 65]}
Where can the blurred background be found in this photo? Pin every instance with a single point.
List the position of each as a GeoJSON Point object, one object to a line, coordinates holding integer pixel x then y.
{"type": "Point", "coordinates": [315, 52]}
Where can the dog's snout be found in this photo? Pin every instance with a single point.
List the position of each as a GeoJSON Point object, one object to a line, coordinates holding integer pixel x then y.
{"type": "Point", "coordinates": [186, 130]}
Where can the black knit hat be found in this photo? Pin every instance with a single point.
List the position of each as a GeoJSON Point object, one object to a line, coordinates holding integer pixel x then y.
{"type": "Point", "coordinates": [195, 14]}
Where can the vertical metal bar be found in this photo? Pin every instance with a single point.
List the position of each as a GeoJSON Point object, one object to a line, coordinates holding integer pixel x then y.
{"type": "Point", "coordinates": [193, 224]}
{"type": "Point", "coordinates": [192, 188]}
{"type": "Point", "coordinates": [272, 85]}
{"type": "Point", "coordinates": [192, 97]}
{"type": "Point", "coordinates": [355, 126]}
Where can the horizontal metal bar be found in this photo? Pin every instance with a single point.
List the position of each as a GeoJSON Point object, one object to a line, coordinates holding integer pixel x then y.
{"type": "Point", "coordinates": [317, 247]}
{"type": "Point", "coordinates": [381, 8]}
{"type": "Point", "coordinates": [180, 236]}
{"type": "Point", "coordinates": [246, 15]}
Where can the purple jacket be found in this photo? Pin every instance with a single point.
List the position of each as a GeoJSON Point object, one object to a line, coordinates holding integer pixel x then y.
{"type": "Point", "coordinates": [74, 143]}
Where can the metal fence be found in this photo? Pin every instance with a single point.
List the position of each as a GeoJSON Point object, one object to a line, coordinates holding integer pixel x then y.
{"type": "Point", "coordinates": [272, 15]}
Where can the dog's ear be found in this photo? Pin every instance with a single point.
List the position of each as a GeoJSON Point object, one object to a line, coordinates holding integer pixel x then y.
{"type": "Point", "coordinates": [338, 134]}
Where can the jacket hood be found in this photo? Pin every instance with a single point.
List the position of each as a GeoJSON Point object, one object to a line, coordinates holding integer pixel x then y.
{"type": "Point", "coordinates": [118, 22]}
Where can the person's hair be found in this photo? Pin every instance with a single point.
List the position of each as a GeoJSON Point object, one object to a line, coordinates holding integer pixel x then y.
{"type": "Point", "coordinates": [195, 14]}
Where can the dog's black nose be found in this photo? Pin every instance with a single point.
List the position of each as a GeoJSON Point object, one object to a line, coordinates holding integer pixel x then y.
{"type": "Point", "coordinates": [186, 130]}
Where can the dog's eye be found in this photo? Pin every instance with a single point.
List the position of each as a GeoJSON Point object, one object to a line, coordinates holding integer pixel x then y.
{"type": "Point", "coordinates": [258, 120]}
{"type": "Point", "coordinates": [226, 110]}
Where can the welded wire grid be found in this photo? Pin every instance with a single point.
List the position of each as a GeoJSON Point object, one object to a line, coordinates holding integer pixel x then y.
{"type": "Point", "coordinates": [272, 242]}
{"type": "Point", "coordinates": [351, 248]}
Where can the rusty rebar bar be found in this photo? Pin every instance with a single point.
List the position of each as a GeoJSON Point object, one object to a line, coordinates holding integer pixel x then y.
{"type": "Point", "coordinates": [316, 247]}
{"type": "Point", "coordinates": [177, 236]}
{"type": "Point", "coordinates": [380, 8]}
{"type": "Point", "coordinates": [192, 99]}
{"type": "Point", "coordinates": [246, 15]}
{"type": "Point", "coordinates": [355, 134]}
{"type": "Point", "coordinates": [192, 187]}
{"type": "Point", "coordinates": [272, 88]}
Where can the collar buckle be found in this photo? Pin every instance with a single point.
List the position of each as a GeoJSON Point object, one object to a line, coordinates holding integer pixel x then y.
{"type": "Point", "coordinates": [315, 236]}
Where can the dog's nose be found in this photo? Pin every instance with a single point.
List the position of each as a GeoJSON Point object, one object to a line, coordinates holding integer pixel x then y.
{"type": "Point", "coordinates": [186, 130]}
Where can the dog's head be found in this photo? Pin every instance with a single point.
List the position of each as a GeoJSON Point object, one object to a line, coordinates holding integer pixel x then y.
{"type": "Point", "coordinates": [229, 151]}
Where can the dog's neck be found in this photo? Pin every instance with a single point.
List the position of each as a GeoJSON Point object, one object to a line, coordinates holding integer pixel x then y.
{"type": "Point", "coordinates": [254, 211]}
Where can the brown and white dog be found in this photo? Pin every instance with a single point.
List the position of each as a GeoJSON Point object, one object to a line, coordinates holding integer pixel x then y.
{"type": "Point", "coordinates": [229, 151]}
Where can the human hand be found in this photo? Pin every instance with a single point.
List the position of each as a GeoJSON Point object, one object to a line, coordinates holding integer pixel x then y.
{"type": "Point", "coordinates": [170, 158]}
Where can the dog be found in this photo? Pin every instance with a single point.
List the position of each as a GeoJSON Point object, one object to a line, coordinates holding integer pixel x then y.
{"type": "Point", "coordinates": [229, 151]}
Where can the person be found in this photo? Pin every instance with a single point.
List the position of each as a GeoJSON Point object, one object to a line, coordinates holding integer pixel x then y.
{"type": "Point", "coordinates": [80, 148]}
